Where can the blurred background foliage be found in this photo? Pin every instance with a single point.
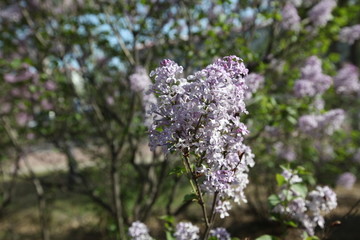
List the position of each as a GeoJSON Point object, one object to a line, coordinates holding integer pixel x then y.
{"type": "Point", "coordinates": [74, 157]}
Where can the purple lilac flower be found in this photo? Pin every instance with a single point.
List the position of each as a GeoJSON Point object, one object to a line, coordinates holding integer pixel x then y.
{"type": "Point", "coordinates": [286, 152]}
{"type": "Point", "coordinates": [309, 210]}
{"type": "Point", "coordinates": [50, 85]}
{"type": "Point", "coordinates": [291, 177]}
{"type": "Point", "coordinates": [318, 103]}
{"type": "Point", "coordinates": [220, 234]}
{"type": "Point", "coordinates": [346, 180]}
{"type": "Point", "coordinates": [347, 79]}
{"type": "Point", "coordinates": [253, 81]}
{"type": "Point", "coordinates": [186, 231]}
{"type": "Point", "coordinates": [11, 13]}
{"type": "Point", "coordinates": [46, 104]}
{"type": "Point", "coordinates": [22, 118]}
{"type": "Point", "coordinates": [5, 107]}
{"type": "Point", "coordinates": [324, 124]}
{"type": "Point", "coordinates": [139, 231]}
{"type": "Point", "coordinates": [313, 82]}
{"type": "Point", "coordinates": [139, 80]}
{"type": "Point", "coordinates": [201, 114]}
{"type": "Point", "coordinates": [290, 18]}
{"type": "Point", "coordinates": [296, 3]}
{"type": "Point", "coordinates": [350, 34]}
{"type": "Point", "coordinates": [322, 199]}
{"type": "Point", "coordinates": [320, 14]}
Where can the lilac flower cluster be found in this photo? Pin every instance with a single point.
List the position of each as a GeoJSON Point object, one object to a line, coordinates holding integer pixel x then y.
{"type": "Point", "coordinates": [139, 231]}
{"type": "Point", "coordinates": [347, 79]}
{"type": "Point", "coordinates": [320, 14]}
{"type": "Point", "coordinates": [186, 231]}
{"type": "Point", "coordinates": [220, 234]}
{"type": "Point", "coordinates": [306, 210]}
{"type": "Point", "coordinates": [286, 152]}
{"type": "Point", "coordinates": [201, 114]}
{"type": "Point", "coordinates": [313, 81]}
{"type": "Point", "coordinates": [140, 83]}
{"type": "Point", "coordinates": [346, 180]}
{"type": "Point", "coordinates": [324, 124]}
{"type": "Point", "coordinates": [139, 80]}
{"type": "Point", "coordinates": [350, 34]}
{"type": "Point", "coordinates": [253, 81]}
{"type": "Point", "coordinates": [290, 18]}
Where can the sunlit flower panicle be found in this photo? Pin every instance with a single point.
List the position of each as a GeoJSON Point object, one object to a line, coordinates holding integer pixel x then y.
{"type": "Point", "coordinates": [346, 180]}
{"type": "Point", "coordinates": [186, 231]}
{"type": "Point", "coordinates": [201, 114]}
{"type": "Point", "coordinates": [290, 18]}
{"type": "Point", "coordinates": [347, 79]}
{"type": "Point", "coordinates": [320, 14]}
{"type": "Point", "coordinates": [350, 34]}
{"type": "Point", "coordinates": [139, 231]}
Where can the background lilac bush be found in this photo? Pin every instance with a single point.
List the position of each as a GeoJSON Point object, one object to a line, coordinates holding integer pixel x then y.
{"type": "Point", "coordinates": [76, 75]}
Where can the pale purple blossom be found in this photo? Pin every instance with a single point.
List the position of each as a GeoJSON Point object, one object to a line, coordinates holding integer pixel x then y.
{"type": "Point", "coordinates": [186, 231]}
{"type": "Point", "coordinates": [322, 199]}
{"type": "Point", "coordinates": [222, 208]}
{"type": "Point", "coordinates": [307, 210]}
{"type": "Point", "coordinates": [22, 118]}
{"type": "Point", "coordinates": [285, 151]}
{"type": "Point", "coordinates": [50, 85]}
{"type": "Point", "coordinates": [290, 18]}
{"type": "Point", "coordinates": [46, 104]}
{"type": "Point", "coordinates": [313, 82]}
{"type": "Point", "coordinates": [5, 107]}
{"type": "Point", "coordinates": [139, 231]}
{"type": "Point", "coordinates": [347, 79]}
{"type": "Point", "coordinates": [220, 234]}
{"type": "Point", "coordinates": [254, 82]}
{"type": "Point", "coordinates": [11, 13]}
{"type": "Point", "coordinates": [201, 114]}
{"type": "Point", "coordinates": [350, 34]}
{"type": "Point", "coordinates": [323, 124]}
{"type": "Point", "coordinates": [139, 80]}
{"type": "Point", "coordinates": [290, 176]}
{"type": "Point", "coordinates": [346, 180]}
{"type": "Point", "coordinates": [320, 14]}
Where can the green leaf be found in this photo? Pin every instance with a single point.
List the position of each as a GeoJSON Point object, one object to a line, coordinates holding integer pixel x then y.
{"type": "Point", "coordinates": [190, 197]}
{"type": "Point", "coordinates": [291, 223]}
{"type": "Point", "coordinates": [299, 188]}
{"type": "Point", "coordinates": [267, 237]}
{"type": "Point", "coordinates": [178, 171]}
{"type": "Point", "coordinates": [167, 218]}
{"type": "Point", "coordinates": [280, 179]}
{"type": "Point", "coordinates": [274, 200]}
{"type": "Point", "coordinates": [312, 238]}
{"type": "Point", "coordinates": [169, 236]}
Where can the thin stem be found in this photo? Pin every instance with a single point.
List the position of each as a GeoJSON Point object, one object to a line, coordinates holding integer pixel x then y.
{"type": "Point", "coordinates": [198, 192]}
{"type": "Point", "coordinates": [212, 217]}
